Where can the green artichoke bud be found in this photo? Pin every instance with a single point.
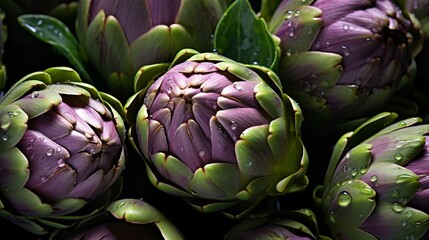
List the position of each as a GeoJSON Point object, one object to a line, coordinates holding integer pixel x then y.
{"type": "Point", "coordinates": [62, 150]}
{"type": "Point", "coordinates": [121, 36]}
{"type": "Point", "coordinates": [128, 218]}
{"type": "Point", "coordinates": [420, 8]}
{"type": "Point", "coordinates": [341, 60]}
{"type": "Point", "coordinates": [216, 132]}
{"type": "Point", "coordinates": [283, 224]}
{"type": "Point", "coordinates": [376, 185]}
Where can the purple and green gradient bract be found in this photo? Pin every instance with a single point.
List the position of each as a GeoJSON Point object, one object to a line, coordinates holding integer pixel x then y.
{"type": "Point", "coordinates": [216, 130]}
{"type": "Point", "coordinates": [62, 147]}
{"type": "Point", "coordinates": [376, 184]}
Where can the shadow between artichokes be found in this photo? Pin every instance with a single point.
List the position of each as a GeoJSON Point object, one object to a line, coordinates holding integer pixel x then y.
{"type": "Point", "coordinates": [62, 150]}
{"type": "Point", "coordinates": [216, 132]}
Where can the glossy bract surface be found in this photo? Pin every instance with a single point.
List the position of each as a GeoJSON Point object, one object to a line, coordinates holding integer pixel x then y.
{"type": "Point", "coordinates": [344, 60]}
{"type": "Point", "coordinates": [216, 130]}
{"type": "Point", "coordinates": [62, 146]}
{"type": "Point", "coordinates": [119, 37]}
{"type": "Point", "coordinates": [376, 184]}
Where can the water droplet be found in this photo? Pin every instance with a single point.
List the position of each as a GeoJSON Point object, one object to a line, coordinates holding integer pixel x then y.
{"type": "Point", "coordinates": [344, 199]}
{"type": "Point", "coordinates": [403, 200]}
{"type": "Point", "coordinates": [404, 223]}
{"type": "Point", "coordinates": [170, 79]}
{"type": "Point", "coordinates": [397, 207]}
{"type": "Point", "coordinates": [30, 147]}
{"type": "Point", "coordinates": [291, 32]}
{"type": "Point", "coordinates": [332, 217]}
{"type": "Point", "coordinates": [400, 144]}
{"type": "Point", "coordinates": [61, 163]}
{"type": "Point", "coordinates": [44, 178]}
{"type": "Point", "coordinates": [345, 169]}
{"type": "Point", "coordinates": [5, 136]}
{"type": "Point", "coordinates": [201, 153]}
{"type": "Point", "coordinates": [373, 179]}
{"type": "Point", "coordinates": [92, 151]}
{"type": "Point", "coordinates": [396, 193]}
{"type": "Point", "coordinates": [346, 50]}
{"type": "Point", "coordinates": [288, 14]}
{"type": "Point", "coordinates": [50, 152]}
{"type": "Point", "coordinates": [346, 26]}
{"type": "Point", "coordinates": [248, 164]}
{"type": "Point", "coordinates": [182, 148]}
{"type": "Point", "coordinates": [121, 204]}
{"type": "Point", "coordinates": [237, 86]}
{"type": "Point", "coordinates": [399, 157]}
{"type": "Point", "coordinates": [355, 172]}
{"type": "Point", "coordinates": [297, 13]}
{"type": "Point", "coordinates": [34, 94]}
{"type": "Point", "coordinates": [59, 149]}
{"type": "Point", "coordinates": [39, 22]}
{"type": "Point", "coordinates": [169, 90]}
{"type": "Point", "coordinates": [233, 124]}
{"type": "Point", "coordinates": [363, 169]}
{"type": "Point", "coordinates": [409, 214]}
{"type": "Point", "coordinates": [193, 192]}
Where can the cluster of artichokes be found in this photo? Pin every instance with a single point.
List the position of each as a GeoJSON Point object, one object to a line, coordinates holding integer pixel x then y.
{"type": "Point", "coordinates": [224, 119]}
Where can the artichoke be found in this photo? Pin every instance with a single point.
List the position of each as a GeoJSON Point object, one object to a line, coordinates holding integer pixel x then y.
{"type": "Point", "coordinates": [343, 61]}
{"type": "Point", "coordinates": [3, 36]}
{"type": "Point", "coordinates": [216, 132]}
{"type": "Point", "coordinates": [121, 36]}
{"type": "Point", "coordinates": [420, 8]}
{"type": "Point", "coordinates": [376, 183]}
{"type": "Point", "coordinates": [277, 224]}
{"type": "Point", "coordinates": [62, 150]}
{"type": "Point", "coordinates": [124, 219]}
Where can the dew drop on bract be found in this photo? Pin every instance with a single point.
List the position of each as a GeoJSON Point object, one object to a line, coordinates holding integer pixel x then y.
{"type": "Point", "coordinates": [344, 199]}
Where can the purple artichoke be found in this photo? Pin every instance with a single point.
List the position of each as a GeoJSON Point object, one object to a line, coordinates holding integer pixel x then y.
{"type": "Point", "coordinates": [343, 60]}
{"type": "Point", "coordinates": [217, 132]}
{"type": "Point", "coordinates": [62, 147]}
{"type": "Point", "coordinates": [376, 185]}
{"type": "Point", "coordinates": [121, 36]}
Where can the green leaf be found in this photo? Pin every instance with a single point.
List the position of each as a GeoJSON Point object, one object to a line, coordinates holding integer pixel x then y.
{"type": "Point", "coordinates": [243, 37]}
{"type": "Point", "coordinates": [55, 33]}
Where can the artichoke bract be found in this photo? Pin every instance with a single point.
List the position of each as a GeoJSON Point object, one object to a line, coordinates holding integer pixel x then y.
{"type": "Point", "coordinates": [121, 36]}
{"type": "Point", "coordinates": [277, 224]}
{"type": "Point", "coordinates": [126, 218]}
{"type": "Point", "coordinates": [3, 36]}
{"type": "Point", "coordinates": [217, 132]}
{"type": "Point", "coordinates": [376, 184]}
{"type": "Point", "coordinates": [341, 60]}
{"type": "Point", "coordinates": [62, 150]}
